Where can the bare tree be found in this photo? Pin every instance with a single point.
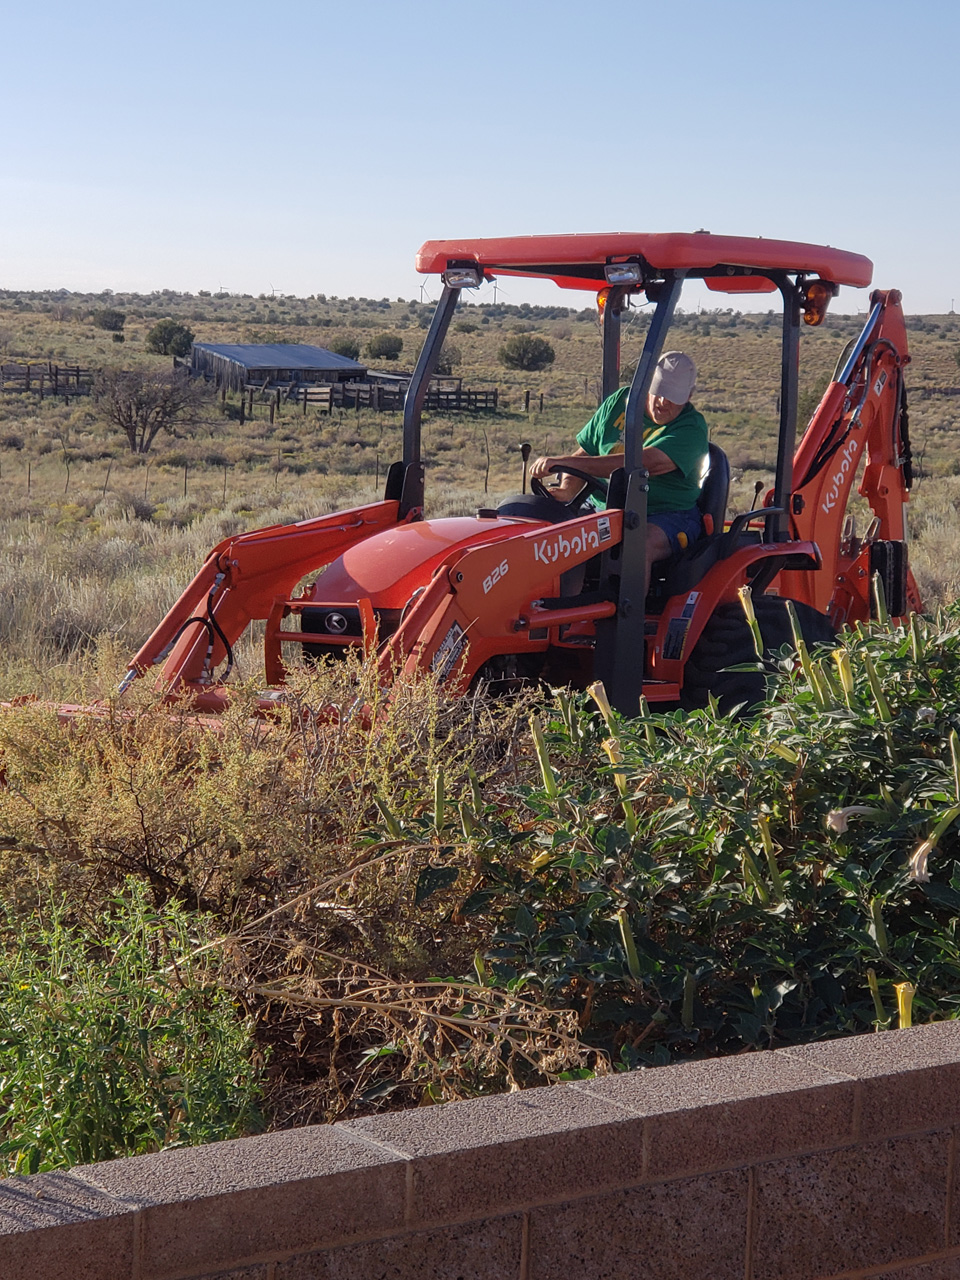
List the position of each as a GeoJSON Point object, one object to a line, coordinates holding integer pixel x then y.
{"type": "Point", "coordinates": [144, 402]}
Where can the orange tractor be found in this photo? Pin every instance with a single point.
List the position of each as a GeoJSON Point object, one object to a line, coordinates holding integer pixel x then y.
{"type": "Point", "coordinates": [507, 595]}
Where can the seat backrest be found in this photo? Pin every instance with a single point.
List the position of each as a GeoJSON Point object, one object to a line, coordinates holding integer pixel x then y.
{"type": "Point", "coordinates": [714, 491]}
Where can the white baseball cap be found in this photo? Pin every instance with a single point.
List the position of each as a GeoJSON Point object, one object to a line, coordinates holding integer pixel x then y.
{"type": "Point", "coordinates": [674, 377]}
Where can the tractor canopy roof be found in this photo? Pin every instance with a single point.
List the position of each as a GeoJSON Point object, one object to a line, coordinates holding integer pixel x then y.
{"type": "Point", "coordinates": [728, 264]}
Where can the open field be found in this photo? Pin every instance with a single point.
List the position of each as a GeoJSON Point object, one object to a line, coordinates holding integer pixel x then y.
{"type": "Point", "coordinates": [96, 541]}
{"type": "Point", "coordinates": [339, 923]}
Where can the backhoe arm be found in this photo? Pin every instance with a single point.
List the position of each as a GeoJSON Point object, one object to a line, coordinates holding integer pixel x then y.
{"type": "Point", "coordinates": [859, 428]}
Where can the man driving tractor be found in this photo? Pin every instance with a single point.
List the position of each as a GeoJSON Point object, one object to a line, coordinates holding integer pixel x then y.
{"type": "Point", "coordinates": [674, 449]}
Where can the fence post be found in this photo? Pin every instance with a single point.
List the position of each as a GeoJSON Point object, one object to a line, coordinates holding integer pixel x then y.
{"type": "Point", "coordinates": [541, 402]}
{"type": "Point", "coordinates": [526, 402]}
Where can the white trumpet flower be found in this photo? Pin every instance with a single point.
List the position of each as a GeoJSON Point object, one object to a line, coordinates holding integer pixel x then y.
{"type": "Point", "coordinates": [838, 820]}
{"type": "Point", "coordinates": [917, 866]}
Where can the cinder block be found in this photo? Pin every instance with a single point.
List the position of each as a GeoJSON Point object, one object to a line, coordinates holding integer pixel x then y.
{"type": "Point", "coordinates": [850, 1209]}
{"type": "Point", "coordinates": [55, 1227]}
{"type": "Point", "coordinates": [490, 1156]}
{"type": "Point", "coordinates": [909, 1080]}
{"type": "Point", "coordinates": [691, 1229]}
{"type": "Point", "coordinates": [242, 1273]}
{"type": "Point", "coordinates": [487, 1250]}
{"type": "Point", "coordinates": [728, 1111]}
{"type": "Point", "coordinates": [210, 1208]}
{"type": "Point", "coordinates": [942, 1269]}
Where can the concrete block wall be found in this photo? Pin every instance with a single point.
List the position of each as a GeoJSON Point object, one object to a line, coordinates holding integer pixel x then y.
{"type": "Point", "coordinates": [832, 1161]}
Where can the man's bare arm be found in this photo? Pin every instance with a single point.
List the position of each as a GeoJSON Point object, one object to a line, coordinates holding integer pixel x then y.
{"type": "Point", "coordinates": [655, 460]}
{"type": "Point", "coordinates": [568, 487]}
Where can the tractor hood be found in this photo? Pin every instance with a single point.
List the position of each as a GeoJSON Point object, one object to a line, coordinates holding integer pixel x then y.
{"type": "Point", "coordinates": [388, 567]}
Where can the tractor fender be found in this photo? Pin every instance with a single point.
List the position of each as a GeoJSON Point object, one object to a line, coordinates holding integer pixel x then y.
{"type": "Point", "coordinates": [683, 620]}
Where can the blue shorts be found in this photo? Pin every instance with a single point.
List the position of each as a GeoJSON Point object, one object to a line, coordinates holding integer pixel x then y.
{"type": "Point", "coordinates": [681, 527]}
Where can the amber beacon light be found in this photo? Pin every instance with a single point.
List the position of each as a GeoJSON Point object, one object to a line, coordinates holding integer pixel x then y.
{"type": "Point", "coordinates": [816, 299]}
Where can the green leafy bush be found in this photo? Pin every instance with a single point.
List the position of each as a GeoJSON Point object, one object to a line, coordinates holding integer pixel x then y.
{"type": "Point", "coordinates": [348, 347]}
{"type": "Point", "coordinates": [170, 338]}
{"type": "Point", "coordinates": [115, 1040]}
{"type": "Point", "coordinates": [109, 319]}
{"type": "Point", "coordinates": [385, 346]}
{"type": "Point", "coordinates": [702, 885]}
{"type": "Point", "coordinates": [526, 351]}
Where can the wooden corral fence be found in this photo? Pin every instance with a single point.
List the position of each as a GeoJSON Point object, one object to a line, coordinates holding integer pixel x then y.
{"type": "Point", "coordinates": [359, 395]}
{"type": "Point", "coordinates": [325, 397]}
{"type": "Point", "coordinates": [46, 379]}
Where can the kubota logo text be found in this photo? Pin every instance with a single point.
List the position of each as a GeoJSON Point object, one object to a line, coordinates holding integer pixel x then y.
{"type": "Point", "coordinates": [847, 464]}
{"type": "Point", "coordinates": [550, 550]}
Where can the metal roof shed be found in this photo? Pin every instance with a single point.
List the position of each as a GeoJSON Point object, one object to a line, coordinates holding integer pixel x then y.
{"type": "Point", "coordinates": [235, 365]}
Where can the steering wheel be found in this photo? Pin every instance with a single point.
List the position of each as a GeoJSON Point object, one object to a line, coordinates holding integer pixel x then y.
{"type": "Point", "coordinates": [594, 484]}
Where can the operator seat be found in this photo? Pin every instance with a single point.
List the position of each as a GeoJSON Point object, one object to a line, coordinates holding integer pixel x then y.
{"type": "Point", "coordinates": [714, 491]}
{"type": "Point", "coordinates": [682, 572]}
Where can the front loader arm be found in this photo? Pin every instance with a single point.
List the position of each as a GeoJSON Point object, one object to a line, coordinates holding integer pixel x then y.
{"type": "Point", "coordinates": [861, 423]}
{"type": "Point", "coordinates": [238, 583]}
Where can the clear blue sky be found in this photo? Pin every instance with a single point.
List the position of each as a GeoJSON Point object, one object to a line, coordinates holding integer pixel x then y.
{"type": "Point", "coordinates": [311, 147]}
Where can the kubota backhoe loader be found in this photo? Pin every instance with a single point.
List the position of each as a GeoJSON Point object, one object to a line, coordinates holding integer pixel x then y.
{"type": "Point", "coordinates": [504, 596]}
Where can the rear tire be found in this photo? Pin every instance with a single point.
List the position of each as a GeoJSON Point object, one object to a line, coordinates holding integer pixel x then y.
{"type": "Point", "coordinates": [726, 641]}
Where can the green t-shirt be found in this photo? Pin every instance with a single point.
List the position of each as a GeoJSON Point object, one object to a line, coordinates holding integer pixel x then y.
{"type": "Point", "coordinates": [684, 441]}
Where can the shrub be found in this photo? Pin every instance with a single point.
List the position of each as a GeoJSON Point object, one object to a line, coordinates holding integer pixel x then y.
{"type": "Point", "coordinates": [703, 885]}
{"type": "Point", "coordinates": [450, 357]}
{"type": "Point", "coordinates": [246, 822]}
{"type": "Point", "coordinates": [170, 338]}
{"type": "Point", "coordinates": [465, 326]}
{"type": "Point", "coordinates": [384, 346]}
{"type": "Point", "coordinates": [115, 1041]}
{"type": "Point", "coordinates": [107, 318]}
{"type": "Point", "coordinates": [348, 347]}
{"type": "Point", "coordinates": [526, 351]}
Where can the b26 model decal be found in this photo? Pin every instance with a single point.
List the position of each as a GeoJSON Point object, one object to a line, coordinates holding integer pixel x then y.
{"type": "Point", "coordinates": [561, 547]}
{"type": "Point", "coordinates": [494, 576]}
{"type": "Point", "coordinates": [848, 461]}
